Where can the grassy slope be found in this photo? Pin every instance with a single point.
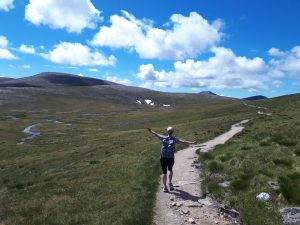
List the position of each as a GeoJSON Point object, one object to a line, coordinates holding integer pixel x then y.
{"type": "Point", "coordinates": [267, 150]}
{"type": "Point", "coordinates": [104, 169]}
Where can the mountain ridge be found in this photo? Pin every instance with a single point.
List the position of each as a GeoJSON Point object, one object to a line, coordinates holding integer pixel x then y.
{"type": "Point", "coordinates": [52, 84]}
{"type": "Point", "coordinates": [255, 97]}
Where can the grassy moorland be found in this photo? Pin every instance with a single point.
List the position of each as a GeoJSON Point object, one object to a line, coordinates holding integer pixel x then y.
{"type": "Point", "coordinates": [268, 150]}
{"type": "Point", "coordinates": [96, 164]}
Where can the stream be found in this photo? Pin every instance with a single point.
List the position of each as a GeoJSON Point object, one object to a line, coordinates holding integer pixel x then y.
{"type": "Point", "coordinates": [28, 131]}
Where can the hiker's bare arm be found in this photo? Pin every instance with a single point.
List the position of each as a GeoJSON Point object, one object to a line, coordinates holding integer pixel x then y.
{"type": "Point", "coordinates": [153, 132]}
{"type": "Point", "coordinates": [188, 142]}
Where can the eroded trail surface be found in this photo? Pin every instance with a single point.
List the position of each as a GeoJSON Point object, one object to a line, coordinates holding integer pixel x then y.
{"type": "Point", "coordinates": [186, 204]}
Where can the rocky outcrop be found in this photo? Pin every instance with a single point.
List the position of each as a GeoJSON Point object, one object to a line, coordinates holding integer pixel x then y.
{"type": "Point", "coordinates": [290, 216]}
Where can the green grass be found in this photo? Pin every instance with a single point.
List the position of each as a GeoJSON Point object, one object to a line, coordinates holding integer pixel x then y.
{"type": "Point", "coordinates": [215, 167]}
{"type": "Point", "coordinates": [297, 150]}
{"type": "Point", "coordinates": [267, 150]}
{"type": "Point", "coordinates": [104, 168]}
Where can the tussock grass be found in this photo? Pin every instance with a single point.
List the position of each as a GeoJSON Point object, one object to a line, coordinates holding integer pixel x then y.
{"type": "Point", "coordinates": [283, 161]}
{"type": "Point", "coordinates": [290, 186]}
{"type": "Point", "coordinates": [206, 156]}
{"type": "Point", "coordinates": [267, 150]}
{"type": "Point", "coordinates": [215, 166]}
{"type": "Point", "coordinates": [297, 150]}
{"type": "Point", "coordinates": [102, 169]}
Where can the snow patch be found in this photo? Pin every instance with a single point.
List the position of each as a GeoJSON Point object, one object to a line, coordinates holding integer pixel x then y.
{"type": "Point", "coordinates": [148, 101]}
{"type": "Point", "coordinates": [138, 101]}
{"type": "Point", "coordinates": [166, 105]}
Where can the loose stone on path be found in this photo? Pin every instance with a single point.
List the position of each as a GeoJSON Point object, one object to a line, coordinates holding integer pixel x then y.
{"type": "Point", "coordinates": [186, 204]}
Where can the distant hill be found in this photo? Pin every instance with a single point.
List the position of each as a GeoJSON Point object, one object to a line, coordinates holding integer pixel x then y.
{"type": "Point", "coordinates": [50, 79]}
{"type": "Point", "coordinates": [56, 85]}
{"type": "Point", "coordinates": [4, 79]}
{"type": "Point", "coordinates": [256, 97]}
{"type": "Point", "coordinates": [207, 93]}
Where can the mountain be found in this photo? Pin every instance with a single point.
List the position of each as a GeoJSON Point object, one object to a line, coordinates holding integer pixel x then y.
{"type": "Point", "coordinates": [4, 79]}
{"type": "Point", "coordinates": [207, 93]}
{"type": "Point", "coordinates": [256, 97]}
{"type": "Point", "coordinates": [57, 85]}
{"type": "Point", "coordinates": [53, 78]}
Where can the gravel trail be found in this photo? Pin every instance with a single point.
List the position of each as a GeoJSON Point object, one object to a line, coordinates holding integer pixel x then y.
{"type": "Point", "coordinates": [186, 204]}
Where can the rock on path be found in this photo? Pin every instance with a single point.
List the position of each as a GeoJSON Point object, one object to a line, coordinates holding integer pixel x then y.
{"type": "Point", "coordinates": [186, 205]}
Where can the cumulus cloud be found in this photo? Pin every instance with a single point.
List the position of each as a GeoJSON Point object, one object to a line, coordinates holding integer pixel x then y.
{"type": "Point", "coordinates": [3, 42]}
{"type": "Point", "coordinates": [4, 51]}
{"type": "Point", "coordinates": [28, 49]}
{"type": "Point", "coordinates": [6, 5]}
{"type": "Point", "coordinates": [72, 15]}
{"type": "Point", "coordinates": [224, 70]}
{"type": "Point", "coordinates": [287, 63]}
{"type": "Point", "coordinates": [118, 80]}
{"type": "Point", "coordinates": [275, 52]}
{"type": "Point", "coordinates": [6, 54]}
{"type": "Point", "coordinates": [185, 36]}
{"type": "Point", "coordinates": [147, 72]}
{"type": "Point", "coordinates": [76, 54]}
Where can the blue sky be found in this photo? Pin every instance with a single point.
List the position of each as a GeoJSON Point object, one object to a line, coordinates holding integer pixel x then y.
{"type": "Point", "coordinates": [231, 47]}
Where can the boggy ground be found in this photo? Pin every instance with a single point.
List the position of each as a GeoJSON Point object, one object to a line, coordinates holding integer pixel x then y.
{"type": "Point", "coordinates": [102, 169]}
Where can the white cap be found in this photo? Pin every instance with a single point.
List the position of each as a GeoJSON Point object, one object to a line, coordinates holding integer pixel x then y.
{"type": "Point", "coordinates": [170, 129]}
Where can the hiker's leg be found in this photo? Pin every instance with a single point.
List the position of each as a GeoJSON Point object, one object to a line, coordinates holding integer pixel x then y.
{"type": "Point", "coordinates": [170, 176]}
{"type": "Point", "coordinates": [170, 168]}
{"type": "Point", "coordinates": [164, 180]}
{"type": "Point", "coordinates": [164, 167]}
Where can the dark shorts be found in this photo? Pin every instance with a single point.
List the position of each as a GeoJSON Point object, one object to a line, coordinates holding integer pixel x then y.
{"type": "Point", "coordinates": [166, 164]}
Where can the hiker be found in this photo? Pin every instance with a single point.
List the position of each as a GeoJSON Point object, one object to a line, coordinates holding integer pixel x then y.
{"type": "Point", "coordinates": [167, 154]}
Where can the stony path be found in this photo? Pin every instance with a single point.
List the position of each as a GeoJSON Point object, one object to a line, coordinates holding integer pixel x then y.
{"type": "Point", "coordinates": [186, 205]}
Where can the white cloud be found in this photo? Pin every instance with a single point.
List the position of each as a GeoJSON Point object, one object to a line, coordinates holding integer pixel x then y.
{"type": "Point", "coordinates": [186, 37]}
{"type": "Point", "coordinates": [118, 80]}
{"type": "Point", "coordinates": [147, 72]}
{"type": "Point", "coordinates": [6, 54]}
{"type": "Point", "coordinates": [6, 5]}
{"type": "Point", "coordinates": [275, 52]}
{"type": "Point", "coordinates": [287, 64]}
{"type": "Point", "coordinates": [72, 15]}
{"type": "Point", "coordinates": [76, 54]}
{"type": "Point", "coordinates": [25, 66]}
{"type": "Point", "coordinates": [224, 70]}
{"type": "Point", "coordinates": [3, 42]}
{"type": "Point", "coordinates": [93, 70]}
{"type": "Point", "coordinates": [277, 83]}
{"type": "Point", "coordinates": [27, 49]}
{"type": "Point", "coordinates": [4, 51]}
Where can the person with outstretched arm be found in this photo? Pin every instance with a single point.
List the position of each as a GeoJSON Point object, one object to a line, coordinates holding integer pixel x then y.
{"type": "Point", "coordinates": [167, 154]}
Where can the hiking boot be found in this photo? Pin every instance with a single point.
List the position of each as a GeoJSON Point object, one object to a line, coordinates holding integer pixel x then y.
{"type": "Point", "coordinates": [171, 187]}
{"type": "Point", "coordinates": [166, 189]}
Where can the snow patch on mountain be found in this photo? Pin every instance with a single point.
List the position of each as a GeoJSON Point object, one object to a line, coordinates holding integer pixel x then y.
{"type": "Point", "coordinates": [148, 101]}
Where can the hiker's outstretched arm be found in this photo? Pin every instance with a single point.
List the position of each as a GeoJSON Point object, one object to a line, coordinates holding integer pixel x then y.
{"type": "Point", "coordinates": [153, 132]}
{"type": "Point", "coordinates": [188, 142]}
